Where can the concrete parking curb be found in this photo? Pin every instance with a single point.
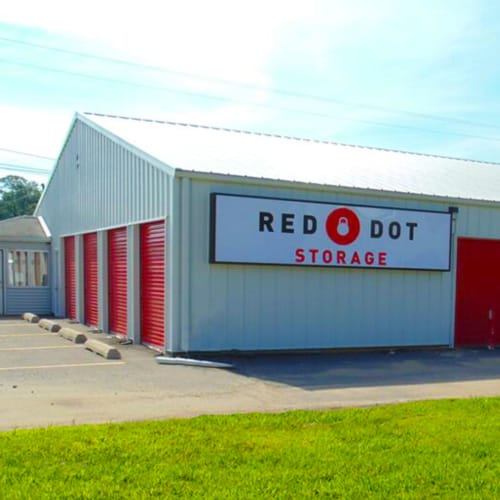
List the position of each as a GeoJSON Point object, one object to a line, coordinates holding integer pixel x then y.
{"type": "Point", "coordinates": [103, 349]}
{"type": "Point", "coordinates": [73, 335]}
{"type": "Point", "coordinates": [49, 325]}
{"type": "Point", "coordinates": [30, 317]}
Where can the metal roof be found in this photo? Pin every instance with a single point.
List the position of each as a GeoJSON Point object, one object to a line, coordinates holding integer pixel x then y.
{"type": "Point", "coordinates": [214, 150]}
{"type": "Point", "coordinates": [25, 228]}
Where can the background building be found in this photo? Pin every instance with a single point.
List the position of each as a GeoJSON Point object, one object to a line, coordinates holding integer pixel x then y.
{"type": "Point", "coordinates": [24, 266]}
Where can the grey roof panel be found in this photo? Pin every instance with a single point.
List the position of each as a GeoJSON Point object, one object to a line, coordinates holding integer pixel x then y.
{"type": "Point", "coordinates": [25, 228]}
{"type": "Point", "coordinates": [222, 151]}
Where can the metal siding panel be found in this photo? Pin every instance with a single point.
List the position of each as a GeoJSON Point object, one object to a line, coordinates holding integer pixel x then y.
{"type": "Point", "coordinates": [144, 193]}
{"type": "Point", "coordinates": [117, 269]}
{"type": "Point", "coordinates": [478, 222]}
{"type": "Point", "coordinates": [70, 276]}
{"type": "Point", "coordinates": [153, 283]}
{"type": "Point", "coordinates": [110, 187]}
{"type": "Point", "coordinates": [267, 307]}
{"type": "Point", "coordinates": [91, 279]}
{"type": "Point", "coordinates": [175, 342]}
{"type": "Point", "coordinates": [183, 297]}
{"type": "Point", "coordinates": [36, 300]}
{"type": "Point", "coordinates": [133, 283]}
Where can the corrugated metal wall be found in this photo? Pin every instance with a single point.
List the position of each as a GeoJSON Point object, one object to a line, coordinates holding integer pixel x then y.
{"type": "Point", "coordinates": [98, 185]}
{"type": "Point", "coordinates": [478, 222]}
{"type": "Point", "coordinates": [271, 307]}
{"type": "Point", "coordinates": [21, 300]}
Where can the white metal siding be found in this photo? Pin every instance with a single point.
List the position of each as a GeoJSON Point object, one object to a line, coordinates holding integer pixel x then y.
{"type": "Point", "coordinates": [252, 307]}
{"type": "Point", "coordinates": [478, 222]}
{"type": "Point", "coordinates": [106, 186]}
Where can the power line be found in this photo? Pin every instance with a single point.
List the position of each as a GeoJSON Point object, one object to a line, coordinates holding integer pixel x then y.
{"type": "Point", "coordinates": [26, 154]}
{"type": "Point", "coordinates": [23, 168]}
{"type": "Point", "coordinates": [251, 103]}
{"type": "Point", "coordinates": [274, 90]}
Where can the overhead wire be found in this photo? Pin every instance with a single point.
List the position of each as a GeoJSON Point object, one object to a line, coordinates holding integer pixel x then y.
{"type": "Point", "coordinates": [33, 155]}
{"type": "Point", "coordinates": [23, 168]}
{"type": "Point", "coordinates": [235, 83]}
{"type": "Point", "coordinates": [251, 103]}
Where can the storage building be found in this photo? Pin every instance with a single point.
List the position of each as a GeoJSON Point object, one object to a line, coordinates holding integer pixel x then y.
{"type": "Point", "coordinates": [200, 239]}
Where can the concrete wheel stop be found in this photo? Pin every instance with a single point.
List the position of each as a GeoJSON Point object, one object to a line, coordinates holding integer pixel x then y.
{"type": "Point", "coordinates": [73, 335]}
{"type": "Point", "coordinates": [49, 325]}
{"type": "Point", "coordinates": [30, 317]}
{"type": "Point", "coordinates": [103, 349]}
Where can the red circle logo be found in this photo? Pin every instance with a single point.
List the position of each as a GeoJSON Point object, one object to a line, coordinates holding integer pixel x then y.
{"type": "Point", "coordinates": [342, 226]}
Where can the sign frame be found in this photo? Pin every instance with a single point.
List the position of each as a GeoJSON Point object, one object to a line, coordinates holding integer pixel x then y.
{"type": "Point", "coordinates": [213, 230]}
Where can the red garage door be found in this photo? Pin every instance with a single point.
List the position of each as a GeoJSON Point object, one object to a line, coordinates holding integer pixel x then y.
{"type": "Point", "coordinates": [117, 280]}
{"type": "Point", "coordinates": [70, 276]}
{"type": "Point", "coordinates": [153, 283]}
{"type": "Point", "coordinates": [477, 318]}
{"type": "Point", "coordinates": [90, 279]}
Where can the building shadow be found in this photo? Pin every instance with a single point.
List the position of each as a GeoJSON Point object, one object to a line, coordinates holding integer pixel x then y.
{"type": "Point", "coordinates": [369, 369]}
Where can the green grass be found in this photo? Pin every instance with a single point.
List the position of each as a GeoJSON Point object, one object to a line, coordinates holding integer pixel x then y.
{"type": "Point", "coordinates": [441, 449]}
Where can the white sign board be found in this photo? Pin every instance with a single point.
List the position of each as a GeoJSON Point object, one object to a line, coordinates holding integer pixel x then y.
{"type": "Point", "coordinates": [250, 230]}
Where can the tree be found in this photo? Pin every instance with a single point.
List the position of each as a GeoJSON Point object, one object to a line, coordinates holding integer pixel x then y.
{"type": "Point", "coordinates": [18, 196]}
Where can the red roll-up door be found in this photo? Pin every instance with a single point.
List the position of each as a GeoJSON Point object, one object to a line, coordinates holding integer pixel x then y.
{"type": "Point", "coordinates": [70, 276]}
{"type": "Point", "coordinates": [477, 313]}
{"type": "Point", "coordinates": [117, 280]}
{"type": "Point", "coordinates": [90, 279]}
{"type": "Point", "coordinates": [153, 283]}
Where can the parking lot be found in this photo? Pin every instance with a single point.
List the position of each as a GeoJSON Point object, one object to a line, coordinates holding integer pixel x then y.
{"type": "Point", "coordinates": [48, 380]}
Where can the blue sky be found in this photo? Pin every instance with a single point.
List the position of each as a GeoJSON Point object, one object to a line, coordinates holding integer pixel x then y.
{"type": "Point", "coordinates": [415, 76]}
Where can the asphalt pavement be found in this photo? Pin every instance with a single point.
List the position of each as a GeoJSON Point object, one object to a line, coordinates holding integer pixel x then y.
{"type": "Point", "coordinates": [47, 380]}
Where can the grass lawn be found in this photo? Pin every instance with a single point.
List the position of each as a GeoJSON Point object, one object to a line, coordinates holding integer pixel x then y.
{"type": "Point", "coordinates": [441, 449]}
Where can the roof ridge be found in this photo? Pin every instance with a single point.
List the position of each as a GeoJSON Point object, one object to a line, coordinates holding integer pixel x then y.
{"type": "Point", "coordinates": [287, 137]}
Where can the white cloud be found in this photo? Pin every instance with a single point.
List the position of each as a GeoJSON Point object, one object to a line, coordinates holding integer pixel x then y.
{"type": "Point", "coordinates": [45, 128]}
{"type": "Point", "coordinates": [223, 37]}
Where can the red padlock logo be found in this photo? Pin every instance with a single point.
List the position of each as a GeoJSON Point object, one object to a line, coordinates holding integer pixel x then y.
{"type": "Point", "coordinates": [343, 226]}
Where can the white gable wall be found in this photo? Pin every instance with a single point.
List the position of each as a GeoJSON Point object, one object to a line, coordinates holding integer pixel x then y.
{"type": "Point", "coordinates": [99, 184]}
